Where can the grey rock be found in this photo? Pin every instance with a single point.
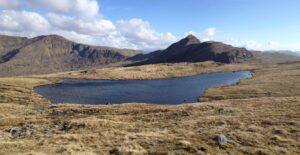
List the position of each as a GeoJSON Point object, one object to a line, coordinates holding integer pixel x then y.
{"type": "Point", "coordinates": [15, 132]}
{"type": "Point", "coordinates": [66, 126]}
{"type": "Point", "coordinates": [221, 140]}
{"type": "Point", "coordinates": [24, 130]}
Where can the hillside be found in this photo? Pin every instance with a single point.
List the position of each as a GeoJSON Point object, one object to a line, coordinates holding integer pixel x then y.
{"type": "Point", "coordinates": [288, 52]}
{"type": "Point", "coordinates": [47, 54]}
{"type": "Point", "coordinates": [274, 57]}
{"type": "Point", "coordinates": [190, 49]}
{"type": "Point", "coordinates": [8, 43]}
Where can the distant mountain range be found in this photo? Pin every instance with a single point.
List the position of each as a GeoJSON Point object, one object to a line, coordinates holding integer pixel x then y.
{"type": "Point", "coordinates": [288, 52]}
{"type": "Point", "coordinates": [53, 53]}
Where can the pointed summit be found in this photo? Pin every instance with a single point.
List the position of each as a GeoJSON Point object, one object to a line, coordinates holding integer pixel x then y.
{"type": "Point", "coordinates": [191, 36]}
{"type": "Point", "coordinates": [191, 39]}
{"type": "Point", "coordinates": [184, 43]}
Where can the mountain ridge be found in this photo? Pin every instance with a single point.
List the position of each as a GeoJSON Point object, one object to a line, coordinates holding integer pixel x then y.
{"type": "Point", "coordinates": [54, 53]}
{"type": "Point", "coordinates": [190, 49]}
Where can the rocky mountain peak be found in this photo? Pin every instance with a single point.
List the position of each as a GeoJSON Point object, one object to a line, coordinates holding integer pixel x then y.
{"type": "Point", "coordinates": [190, 39]}
{"type": "Point", "coordinates": [184, 43]}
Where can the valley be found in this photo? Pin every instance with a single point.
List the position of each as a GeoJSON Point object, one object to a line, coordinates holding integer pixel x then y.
{"type": "Point", "coordinates": [259, 106]}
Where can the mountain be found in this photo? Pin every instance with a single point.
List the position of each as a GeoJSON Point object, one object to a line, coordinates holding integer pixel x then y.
{"type": "Point", "coordinates": [8, 43]}
{"type": "Point", "coordinates": [53, 53]}
{"type": "Point", "coordinates": [273, 57]}
{"type": "Point", "coordinates": [287, 52]}
{"type": "Point", "coordinates": [190, 49]}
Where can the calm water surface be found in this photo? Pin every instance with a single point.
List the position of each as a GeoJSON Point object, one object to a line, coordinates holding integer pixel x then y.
{"type": "Point", "coordinates": [162, 91]}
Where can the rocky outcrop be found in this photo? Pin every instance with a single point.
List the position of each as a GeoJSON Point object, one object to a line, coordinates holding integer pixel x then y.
{"type": "Point", "coordinates": [27, 130]}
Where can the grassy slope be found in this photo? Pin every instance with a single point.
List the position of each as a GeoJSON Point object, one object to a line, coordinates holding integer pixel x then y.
{"type": "Point", "coordinates": [153, 71]}
{"type": "Point", "coordinates": [281, 80]}
{"type": "Point", "coordinates": [265, 123]}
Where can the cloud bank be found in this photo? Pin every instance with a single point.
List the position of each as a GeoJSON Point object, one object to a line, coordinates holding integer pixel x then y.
{"type": "Point", "coordinates": [84, 8]}
{"type": "Point", "coordinates": [81, 21]}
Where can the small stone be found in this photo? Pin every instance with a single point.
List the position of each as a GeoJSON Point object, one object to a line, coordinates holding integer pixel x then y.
{"type": "Point", "coordinates": [15, 132]}
{"type": "Point", "coordinates": [221, 140]}
{"type": "Point", "coordinates": [221, 110]}
{"type": "Point", "coordinates": [115, 151]}
{"type": "Point", "coordinates": [162, 141]}
{"type": "Point", "coordinates": [183, 143]}
{"type": "Point", "coordinates": [66, 126]}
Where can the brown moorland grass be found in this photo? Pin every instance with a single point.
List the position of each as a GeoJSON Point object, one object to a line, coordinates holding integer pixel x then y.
{"type": "Point", "coordinates": [156, 71]}
{"type": "Point", "coordinates": [273, 80]}
{"type": "Point", "coordinates": [259, 122]}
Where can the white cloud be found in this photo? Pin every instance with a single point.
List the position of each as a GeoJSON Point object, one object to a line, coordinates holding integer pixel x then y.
{"type": "Point", "coordinates": [77, 20]}
{"type": "Point", "coordinates": [210, 32]}
{"type": "Point", "coordinates": [86, 8]}
{"type": "Point", "coordinates": [80, 21]}
{"type": "Point", "coordinates": [135, 33]}
{"type": "Point", "coordinates": [97, 26]}
{"type": "Point", "coordinates": [207, 35]}
{"type": "Point", "coordinates": [252, 44]}
{"type": "Point", "coordinates": [9, 4]}
{"type": "Point", "coordinates": [23, 22]}
{"type": "Point", "coordinates": [272, 44]}
{"type": "Point", "coordinates": [140, 33]}
{"type": "Point", "coordinates": [249, 44]}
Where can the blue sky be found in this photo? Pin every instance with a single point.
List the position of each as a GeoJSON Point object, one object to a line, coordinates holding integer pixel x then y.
{"type": "Point", "coordinates": [259, 20]}
{"type": "Point", "coordinates": [153, 24]}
